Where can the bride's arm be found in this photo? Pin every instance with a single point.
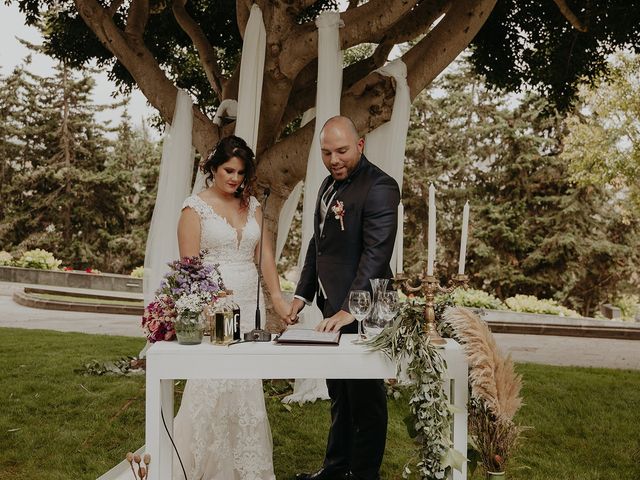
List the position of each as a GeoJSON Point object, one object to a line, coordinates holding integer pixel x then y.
{"type": "Point", "coordinates": [189, 233]}
{"type": "Point", "coordinates": [270, 272]}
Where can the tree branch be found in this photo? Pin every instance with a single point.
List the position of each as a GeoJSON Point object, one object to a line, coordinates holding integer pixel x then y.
{"type": "Point", "coordinates": [207, 54]}
{"type": "Point", "coordinates": [303, 94]}
{"type": "Point", "coordinates": [417, 21]}
{"type": "Point", "coordinates": [276, 86]}
{"type": "Point", "coordinates": [381, 53]}
{"type": "Point", "coordinates": [143, 67]}
{"type": "Point", "coordinates": [137, 18]}
{"type": "Point", "coordinates": [115, 5]}
{"type": "Point", "coordinates": [366, 23]}
{"type": "Point", "coordinates": [444, 42]}
{"type": "Point", "coordinates": [300, 5]}
{"type": "Point", "coordinates": [368, 103]}
{"type": "Point", "coordinates": [369, 22]}
{"type": "Point", "coordinates": [570, 16]}
{"type": "Point", "coordinates": [352, 4]}
{"type": "Point", "coordinates": [242, 15]}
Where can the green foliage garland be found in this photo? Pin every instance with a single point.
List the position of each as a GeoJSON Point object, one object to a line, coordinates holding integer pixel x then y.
{"type": "Point", "coordinates": [406, 343]}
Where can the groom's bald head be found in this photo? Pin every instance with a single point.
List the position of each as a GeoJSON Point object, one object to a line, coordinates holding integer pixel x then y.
{"type": "Point", "coordinates": [345, 124]}
{"type": "Point", "coordinates": [341, 146]}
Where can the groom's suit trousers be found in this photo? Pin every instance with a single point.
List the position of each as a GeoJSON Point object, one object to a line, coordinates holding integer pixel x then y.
{"type": "Point", "coordinates": [358, 427]}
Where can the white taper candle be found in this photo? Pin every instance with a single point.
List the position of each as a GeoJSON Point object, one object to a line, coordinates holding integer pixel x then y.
{"type": "Point", "coordinates": [463, 238]}
{"type": "Point", "coordinates": [400, 239]}
{"type": "Point", "coordinates": [431, 238]}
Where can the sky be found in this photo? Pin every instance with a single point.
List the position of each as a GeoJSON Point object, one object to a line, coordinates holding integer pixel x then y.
{"type": "Point", "coordinates": [12, 53]}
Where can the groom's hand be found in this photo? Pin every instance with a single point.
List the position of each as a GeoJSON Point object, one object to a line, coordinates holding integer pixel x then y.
{"type": "Point", "coordinates": [294, 309]}
{"type": "Point", "coordinates": [335, 323]}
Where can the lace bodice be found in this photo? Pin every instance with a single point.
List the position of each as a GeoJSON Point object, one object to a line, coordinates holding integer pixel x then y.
{"type": "Point", "coordinates": [224, 243]}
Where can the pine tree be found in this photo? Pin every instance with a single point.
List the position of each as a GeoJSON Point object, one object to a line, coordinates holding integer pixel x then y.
{"type": "Point", "coordinates": [135, 161]}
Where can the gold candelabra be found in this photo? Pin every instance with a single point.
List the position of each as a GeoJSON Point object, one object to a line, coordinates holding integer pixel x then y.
{"type": "Point", "coordinates": [430, 286]}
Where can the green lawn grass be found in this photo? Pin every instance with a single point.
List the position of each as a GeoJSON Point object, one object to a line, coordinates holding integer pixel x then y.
{"type": "Point", "coordinates": [59, 424]}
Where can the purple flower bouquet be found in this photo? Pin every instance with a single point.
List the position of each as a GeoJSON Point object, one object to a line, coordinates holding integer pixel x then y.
{"type": "Point", "coordinates": [189, 284]}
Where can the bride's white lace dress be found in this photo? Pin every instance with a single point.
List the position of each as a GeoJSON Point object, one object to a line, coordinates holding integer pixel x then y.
{"type": "Point", "coordinates": [221, 430]}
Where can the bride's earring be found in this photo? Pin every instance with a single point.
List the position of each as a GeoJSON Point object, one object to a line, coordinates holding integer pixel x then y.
{"type": "Point", "coordinates": [239, 190]}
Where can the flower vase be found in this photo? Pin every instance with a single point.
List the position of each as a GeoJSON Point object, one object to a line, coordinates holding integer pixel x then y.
{"type": "Point", "coordinates": [496, 476]}
{"type": "Point", "coordinates": [189, 328]}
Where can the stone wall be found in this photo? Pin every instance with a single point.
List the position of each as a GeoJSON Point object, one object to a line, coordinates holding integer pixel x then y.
{"type": "Point", "coordinates": [59, 278]}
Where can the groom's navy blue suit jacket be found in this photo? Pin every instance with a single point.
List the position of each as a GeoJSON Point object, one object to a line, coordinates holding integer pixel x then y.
{"type": "Point", "coordinates": [345, 260]}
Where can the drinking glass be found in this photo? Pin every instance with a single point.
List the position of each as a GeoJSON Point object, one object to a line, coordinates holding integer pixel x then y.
{"type": "Point", "coordinates": [360, 306]}
{"type": "Point", "coordinates": [388, 305]}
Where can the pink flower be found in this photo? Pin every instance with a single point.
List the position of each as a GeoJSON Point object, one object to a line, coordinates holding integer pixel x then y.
{"type": "Point", "coordinates": [338, 210]}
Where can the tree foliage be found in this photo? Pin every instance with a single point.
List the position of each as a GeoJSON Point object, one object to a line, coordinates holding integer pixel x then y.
{"type": "Point", "coordinates": [67, 187]}
{"type": "Point", "coordinates": [553, 46]}
{"type": "Point", "coordinates": [534, 231]}
{"type": "Point", "coordinates": [196, 45]}
{"type": "Point", "coordinates": [603, 143]}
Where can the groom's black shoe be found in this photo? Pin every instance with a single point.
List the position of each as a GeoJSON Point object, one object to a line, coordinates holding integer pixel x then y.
{"type": "Point", "coordinates": [323, 474]}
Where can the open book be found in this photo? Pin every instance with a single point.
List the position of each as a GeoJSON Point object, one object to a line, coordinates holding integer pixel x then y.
{"type": "Point", "coordinates": [308, 337]}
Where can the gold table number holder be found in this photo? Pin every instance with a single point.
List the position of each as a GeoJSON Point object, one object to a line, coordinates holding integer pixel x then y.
{"type": "Point", "coordinates": [430, 286]}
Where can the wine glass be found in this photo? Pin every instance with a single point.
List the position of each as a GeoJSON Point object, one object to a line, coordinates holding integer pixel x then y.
{"type": "Point", "coordinates": [388, 305]}
{"type": "Point", "coordinates": [360, 306]}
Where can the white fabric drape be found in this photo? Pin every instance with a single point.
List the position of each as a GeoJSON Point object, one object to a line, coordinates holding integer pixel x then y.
{"type": "Point", "coordinates": [251, 75]}
{"type": "Point", "coordinates": [385, 145]}
{"type": "Point", "coordinates": [327, 105]}
{"type": "Point", "coordinates": [287, 213]}
{"type": "Point", "coordinates": [174, 184]}
{"type": "Point", "coordinates": [246, 110]}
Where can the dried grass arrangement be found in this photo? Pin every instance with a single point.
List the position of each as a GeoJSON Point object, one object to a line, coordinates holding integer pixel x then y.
{"type": "Point", "coordinates": [495, 389]}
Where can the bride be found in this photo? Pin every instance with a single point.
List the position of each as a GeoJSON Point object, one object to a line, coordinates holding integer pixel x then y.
{"type": "Point", "coordinates": [222, 430]}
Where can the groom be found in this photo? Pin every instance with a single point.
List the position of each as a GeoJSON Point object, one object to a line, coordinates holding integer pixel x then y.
{"type": "Point", "coordinates": [354, 231]}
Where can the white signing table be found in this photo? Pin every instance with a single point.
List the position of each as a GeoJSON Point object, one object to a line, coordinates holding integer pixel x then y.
{"type": "Point", "coordinates": [167, 361]}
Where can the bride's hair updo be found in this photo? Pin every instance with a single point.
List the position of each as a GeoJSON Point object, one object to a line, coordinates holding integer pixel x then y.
{"type": "Point", "coordinates": [227, 148]}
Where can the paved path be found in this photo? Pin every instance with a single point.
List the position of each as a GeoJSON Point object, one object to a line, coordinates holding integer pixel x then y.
{"type": "Point", "coordinates": [551, 350]}
{"type": "Point", "coordinates": [14, 315]}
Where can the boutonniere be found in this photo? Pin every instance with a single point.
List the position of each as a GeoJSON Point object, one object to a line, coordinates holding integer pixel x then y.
{"type": "Point", "coordinates": [338, 210]}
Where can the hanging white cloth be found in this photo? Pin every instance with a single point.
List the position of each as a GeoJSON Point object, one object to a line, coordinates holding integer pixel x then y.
{"type": "Point", "coordinates": [385, 146]}
{"type": "Point", "coordinates": [246, 110]}
{"type": "Point", "coordinates": [251, 75]}
{"type": "Point", "coordinates": [287, 213]}
{"type": "Point", "coordinates": [327, 105]}
{"type": "Point", "coordinates": [174, 184]}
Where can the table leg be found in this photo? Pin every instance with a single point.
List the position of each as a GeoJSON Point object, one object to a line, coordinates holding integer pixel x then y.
{"type": "Point", "coordinates": [460, 393]}
{"type": "Point", "coordinates": [159, 395]}
{"type": "Point", "coordinates": [165, 460]}
{"type": "Point", "coordinates": [153, 423]}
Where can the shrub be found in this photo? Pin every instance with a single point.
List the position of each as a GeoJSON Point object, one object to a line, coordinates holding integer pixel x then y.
{"type": "Point", "coordinates": [629, 304]}
{"type": "Point", "coordinates": [137, 272]}
{"type": "Point", "coordinates": [38, 258]}
{"type": "Point", "coordinates": [476, 298]}
{"type": "Point", "coordinates": [530, 304]}
{"type": "Point", "coordinates": [287, 286]}
{"type": "Point", "coordinates": [6, 260]}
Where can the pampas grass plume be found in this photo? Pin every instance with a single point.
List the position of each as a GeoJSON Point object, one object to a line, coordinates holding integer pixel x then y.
{"type": "Point", "coordinates": [492, 376]}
